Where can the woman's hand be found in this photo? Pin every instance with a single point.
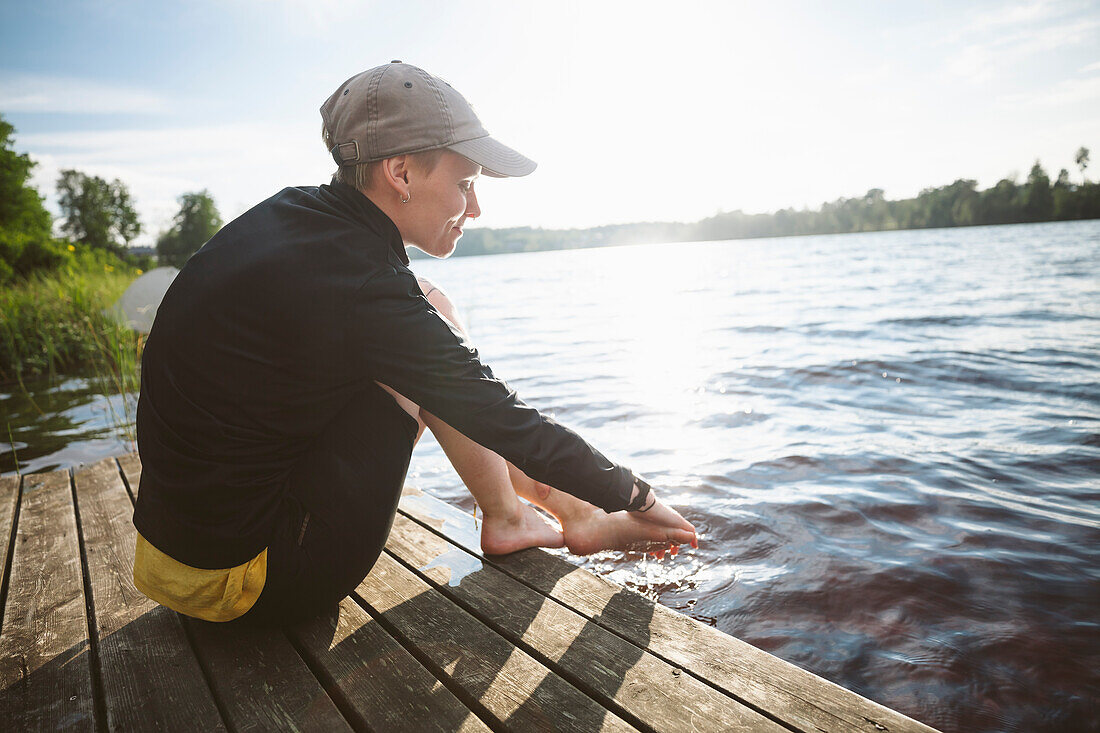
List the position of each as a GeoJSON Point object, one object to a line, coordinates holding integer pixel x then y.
{"type": "Point", "coordinates": [678, 531]}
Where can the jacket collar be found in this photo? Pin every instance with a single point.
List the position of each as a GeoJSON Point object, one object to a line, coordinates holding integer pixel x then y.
{"type": "Point", "coordinates": [364, 211]}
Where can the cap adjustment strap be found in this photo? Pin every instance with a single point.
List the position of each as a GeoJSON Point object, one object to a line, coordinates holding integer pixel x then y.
{"type": "Point", "coordinates": [345, 153]}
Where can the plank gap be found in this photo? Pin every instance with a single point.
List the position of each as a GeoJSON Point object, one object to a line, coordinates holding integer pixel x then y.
{"type": "Point", "coordinates": [602, 700]}
{"type": "Point", "coordinates": [346, 708]}
{"type": "Point", "coordinates": [343, 712]}
{"type": "Point", "coordinates": [99, 705]}
{"type": "Point", "coordinates": [18, 500]}
{"type": "Point", "coordinates": [204, 668]}
{"type": "Point", "coordinates": [125, 480]}
{"type": "Point", "coordinates": [475, 706]}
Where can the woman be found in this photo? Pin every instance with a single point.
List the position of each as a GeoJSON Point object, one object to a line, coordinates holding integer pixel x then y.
{"type": "Point", "coordinates": [296, 360]}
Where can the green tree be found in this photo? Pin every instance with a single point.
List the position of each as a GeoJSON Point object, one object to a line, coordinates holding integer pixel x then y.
{"type": "Point", "coordinates": [1065, 198]}
{"type": "Point", "coordinates": [20, 205]}
{"type": "Point", "coordinates": [26, 239]}
{"type": "Point", "coordinates": [998, 203]}
{"type": "Point", "coordinates": [965, 202]}
{"type": "Point", "coordinates": [197, 221]}
{"type": "Point", "coordinates": [1082, 161]}
{"type": "Point", "coordinates": [97, 213]}
{"type": "Point", "coordinates": [1038, 197]}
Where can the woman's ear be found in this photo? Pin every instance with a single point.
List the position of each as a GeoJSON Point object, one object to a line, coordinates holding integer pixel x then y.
{"type": "Point", "coordinates": [395, 173]}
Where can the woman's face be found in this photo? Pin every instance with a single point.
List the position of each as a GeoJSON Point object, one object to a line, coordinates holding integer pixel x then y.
{"type": "Point", "coordinates": [440, 202]}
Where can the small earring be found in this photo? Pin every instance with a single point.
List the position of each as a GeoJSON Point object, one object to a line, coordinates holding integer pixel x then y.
{"type": "Point", "coordinates": [408, 196]}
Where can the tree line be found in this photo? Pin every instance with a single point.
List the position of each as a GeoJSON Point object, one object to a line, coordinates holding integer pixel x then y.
{"type": "Point", "coordinates": [958, 204]}
{"type": "Point", "coordinates": [98, 221]}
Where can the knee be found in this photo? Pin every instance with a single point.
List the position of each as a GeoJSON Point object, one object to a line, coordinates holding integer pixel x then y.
{"type": "Point", "coordinates": [441, 302]}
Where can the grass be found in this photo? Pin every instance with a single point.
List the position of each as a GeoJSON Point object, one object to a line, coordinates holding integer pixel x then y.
{"type": "Point", "coordinates": [54, 324]}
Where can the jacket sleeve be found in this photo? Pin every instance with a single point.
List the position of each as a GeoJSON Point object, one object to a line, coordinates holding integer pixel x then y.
{"type": "Point", "coordinates": [396, 337]}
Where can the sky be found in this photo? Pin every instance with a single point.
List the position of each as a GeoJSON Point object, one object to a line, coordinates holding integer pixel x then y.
{"type": "Point", "coordinates": [635, 111]}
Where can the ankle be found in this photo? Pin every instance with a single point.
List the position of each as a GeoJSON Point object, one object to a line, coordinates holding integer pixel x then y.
{"type": "Point", "coordinates": [576, 512]}
{"type": "Point", "coordinates": [504, 513]}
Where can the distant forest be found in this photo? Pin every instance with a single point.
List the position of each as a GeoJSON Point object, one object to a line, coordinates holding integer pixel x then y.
{"type": "Point", "coordinates": [958, 204]}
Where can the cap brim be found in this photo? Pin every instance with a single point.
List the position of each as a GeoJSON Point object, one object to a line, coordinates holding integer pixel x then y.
{"type": "Point", "coordinates": [496, 159]}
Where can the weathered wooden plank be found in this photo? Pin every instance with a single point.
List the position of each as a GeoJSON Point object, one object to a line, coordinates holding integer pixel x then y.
{"type": "Point", "coordinates": [151, 678]}
{"type": "Point", "coordinates": [798, 697]}
{"type": "Point", "coordinates": [45, 657]}
{"type": "Point", "coordinates": [256, 674]}
{"type": "Point", "coordinates": [9, 496]}
{"type": "Point", "coordinates": [377, 683]}
{"type": "Point", "coordinates": [518, 692]}
{"type": "Point", "coordinates": [261, 681]}
{"type": "Point", "coordinates": [644, 689]}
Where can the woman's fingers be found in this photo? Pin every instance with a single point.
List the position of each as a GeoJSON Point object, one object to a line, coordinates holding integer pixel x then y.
{"type": "Point", "coordinates": [676, 530]}
{"type": "Point", "coordinates": [666, 516]}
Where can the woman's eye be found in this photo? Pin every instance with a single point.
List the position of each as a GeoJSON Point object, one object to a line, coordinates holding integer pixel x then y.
{"type": "Point", "coordinates": [465, 186]}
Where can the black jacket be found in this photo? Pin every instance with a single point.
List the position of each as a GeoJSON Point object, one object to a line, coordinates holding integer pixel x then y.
{"type": "Point", "coordinates": [264, 335]}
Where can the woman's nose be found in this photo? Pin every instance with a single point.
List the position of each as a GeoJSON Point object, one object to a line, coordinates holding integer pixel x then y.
{"type": "Point", "coordinates": [473, 211]}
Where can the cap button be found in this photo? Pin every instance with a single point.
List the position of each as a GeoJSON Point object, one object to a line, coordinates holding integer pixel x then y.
{"type": "Point", "coordinates": [396, 61]}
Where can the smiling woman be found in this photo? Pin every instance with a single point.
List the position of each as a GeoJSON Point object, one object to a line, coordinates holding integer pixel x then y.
{"type": "Point", "coordinates": [432, 220]}
{"type": "Point", "coordinates": [296, 361]}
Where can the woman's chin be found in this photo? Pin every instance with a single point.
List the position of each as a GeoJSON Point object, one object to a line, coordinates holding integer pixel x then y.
{"type": "Point", "coordinates": [440, 252]}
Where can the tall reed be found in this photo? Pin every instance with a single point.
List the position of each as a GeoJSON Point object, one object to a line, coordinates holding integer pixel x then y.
{"type": "Point", "coordinates": [57, 323]}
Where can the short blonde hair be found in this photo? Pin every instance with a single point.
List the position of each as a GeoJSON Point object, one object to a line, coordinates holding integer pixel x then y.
{"type": "Point", "coordinates": [359, 175]}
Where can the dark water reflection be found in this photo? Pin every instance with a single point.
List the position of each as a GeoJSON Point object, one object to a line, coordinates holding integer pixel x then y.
{"type": "Point", "coordinates": [61, 422]}
{"type": "Point", "coordinates": [890, 442]}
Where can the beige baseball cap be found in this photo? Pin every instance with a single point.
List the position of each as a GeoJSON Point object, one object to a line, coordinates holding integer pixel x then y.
{"type": "Point", "coordinates": [398, 108]}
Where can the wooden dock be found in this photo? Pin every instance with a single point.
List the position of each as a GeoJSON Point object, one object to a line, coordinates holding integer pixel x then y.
{"type": "Point", "coordinates": [437, 637]}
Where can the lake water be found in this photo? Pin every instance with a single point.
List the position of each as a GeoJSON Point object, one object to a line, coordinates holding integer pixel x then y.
{"type": "Point", "coordinates": [890, 443]}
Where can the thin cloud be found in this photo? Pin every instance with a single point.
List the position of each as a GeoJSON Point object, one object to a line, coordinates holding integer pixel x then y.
{"type": "Point", "coordinates": [982, 60]}
{"type": "Point", "coordinates": [1018, 14]}
{"type": "Point", "coordinates": [314, 16]}
{"type": "Point", "coordinates": [1065, 92]}
{"type": "Point", "coordinates": [38, 93]}
{"type": "Point", "coordinates": [1095, 66]}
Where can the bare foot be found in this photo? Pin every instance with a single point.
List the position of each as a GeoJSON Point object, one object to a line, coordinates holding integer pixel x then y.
{"type": "Point", "coordinates": [526, 528]}
{"type": "Point", "coordinates": [596, 530]}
